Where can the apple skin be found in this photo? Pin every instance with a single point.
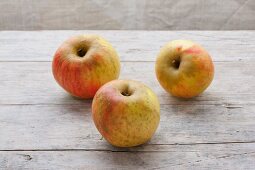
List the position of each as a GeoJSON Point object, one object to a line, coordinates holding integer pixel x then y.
{"type": "Point", "coordinates": [83, 63]}
{"type": "Point", "coordinates": [126, 112]}
{"type": "Point", "coordinates": [184, 68]}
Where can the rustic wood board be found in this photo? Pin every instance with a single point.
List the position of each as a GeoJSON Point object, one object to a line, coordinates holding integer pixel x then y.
{"type": "Point", "coordinates": [130, 45]}
{"type": "Point", "coordinates": [232, 84]}
{"type": "Point", "coordinates": [31, 127]}
{"type": "Point", "coordinates": [221, 156]}
{"type": "Point", "coordinates": [42, 127]}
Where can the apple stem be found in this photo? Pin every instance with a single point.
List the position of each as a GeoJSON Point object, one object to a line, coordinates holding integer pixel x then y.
{"type": "Point", "coordinates": [176, 63]}
{"type": "Point", "coordinates": [81, 52]}
{"type": "Point", "coordinates": [126, 92]}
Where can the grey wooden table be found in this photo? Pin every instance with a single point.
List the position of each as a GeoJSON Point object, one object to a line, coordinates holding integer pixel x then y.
{"type": "Point", "coordinates": [42, 127]}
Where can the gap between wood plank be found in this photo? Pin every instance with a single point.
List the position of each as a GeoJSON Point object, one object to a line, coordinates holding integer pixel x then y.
{"type": "Point", "coordinates": [127, 149]}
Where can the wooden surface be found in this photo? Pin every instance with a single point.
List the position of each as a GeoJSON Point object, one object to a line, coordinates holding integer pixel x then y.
{"type": "Point", "coordinates": [42, 127]}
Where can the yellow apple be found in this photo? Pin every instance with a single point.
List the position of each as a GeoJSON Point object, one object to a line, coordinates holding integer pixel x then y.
{"type": "Point", "coordinates": [83, 63]}
{"type": "Point", "coordinates": [126, 112]}
{"type": "Point", "coordinates": [184, 68]}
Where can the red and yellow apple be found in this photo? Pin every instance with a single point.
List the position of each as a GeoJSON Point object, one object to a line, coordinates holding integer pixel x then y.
{"type": "Point", "coordinates": [82, 64]}
{"type": "Point", "coordinates": [184, 68]}
{"type": "Point", "coordinates": [126, 112]}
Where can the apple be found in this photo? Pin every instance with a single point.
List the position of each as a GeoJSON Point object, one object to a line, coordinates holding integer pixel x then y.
{"type": "Point", "coordinates": [126, 112]}
{"type": "Point", "coordinates": [184, 68]}
{"type": "Point", "coordinates": [83, 63]}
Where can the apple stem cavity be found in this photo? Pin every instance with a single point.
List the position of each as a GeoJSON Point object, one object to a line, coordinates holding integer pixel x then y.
{"type": "Point", "coordinates": [126, 92]}
{"type": "Point", "coordinates": [81, 52]}
{"type": "Point", "coordinates": [176, 63]}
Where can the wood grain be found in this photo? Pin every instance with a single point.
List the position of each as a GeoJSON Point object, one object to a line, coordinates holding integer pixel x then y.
{"type": "Point", "coordinates": [131, 45]}
{"type": "Point", "coordinates": [33, 83]}
{"type": "Point", "coordinates": [42, 127]}
{"type": "Point", "coordinates": [221, 156]}
{"type": "Point", "coordinates": [39, 127]}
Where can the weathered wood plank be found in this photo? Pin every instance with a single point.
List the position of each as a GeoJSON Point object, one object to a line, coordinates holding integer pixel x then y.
{"type": "Point", "coordinates": [32, 127]}
{"type": "Point", "coordinates": [237, 156]}
{"type": "Point", "coordinates": [33, 83]}
{"type": "Point", "coordinates": [131, 45]}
